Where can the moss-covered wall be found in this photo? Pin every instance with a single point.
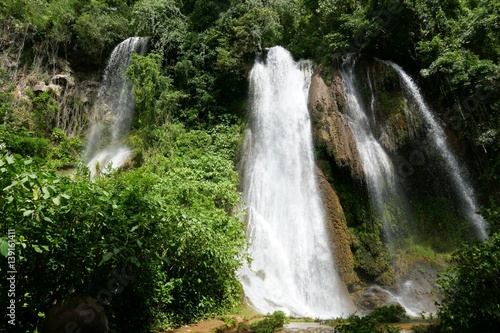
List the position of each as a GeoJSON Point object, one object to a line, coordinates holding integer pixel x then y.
{"type": "Point", "coordinates": [437, 221]}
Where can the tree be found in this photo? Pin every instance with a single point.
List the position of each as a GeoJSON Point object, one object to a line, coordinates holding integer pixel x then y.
{"type": "Point", "coordinates": [471, 289]}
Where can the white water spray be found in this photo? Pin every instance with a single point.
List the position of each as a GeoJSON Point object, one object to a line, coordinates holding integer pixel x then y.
{"type": "Point", "coordinates": [293, 269]}
{"type": "Point", "coordinates": [456, 172]}
{"type": "Point", "coordinates": [377, 166]}
{"type": "Point", "coordinates": [113, 110]}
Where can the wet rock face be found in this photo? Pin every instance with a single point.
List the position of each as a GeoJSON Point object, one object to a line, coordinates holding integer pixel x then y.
{"type": "Point", "coordinates": [339, 235]}
{"type": "Point", "coordinates": [415, 291]}
{"type": "Point", "coordinates": [331, 131]}
{"type": "Point", "coordinates": [373, 297]}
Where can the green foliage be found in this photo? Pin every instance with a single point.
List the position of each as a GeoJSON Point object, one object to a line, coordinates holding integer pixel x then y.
{"type": "Point", "coordinates": [65, 151]}
{"type": "Point", "coordinates": [492, 215]}
{"type": "Point", "coordinates": [100, 26]}
{"type": "Point", "coordinates": [356, 324]}
{"type": "Point", "coordinates": [375, 322]}
{"type": "Point", "coordinates": [430, 328]}
{"type": "Point", "coordinates": [393, 313]}
{"type": "Point", "coordinates": [438, 221]}
{"type": "Point", "coordinates": [163, 21]}
{"type": "Point", "coordinates": [156, 100]}
{"type": "Point", "coordinates": [472, 289]}
{"type": "Point", "coordinates": [6, 97]}
{"type": "Point", "coordinates": [89, 26]}
{"type": "Point", "coordinates": [267, 325]}
{"type": "Point", "coordinates": [24, 143]}
{"type": "Point", "coordinates": [371, 255]}
{"type": "Point", "coordinates": [44, 109]}
{"type": "Point", "coordinates": [162, 238]}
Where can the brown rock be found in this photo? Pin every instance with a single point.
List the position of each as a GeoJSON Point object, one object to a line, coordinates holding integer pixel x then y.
{"type": "Point", "coordinates": [40, 87]}
{"type": "Point", "coordinates": [331, 129]}
{"type": "Point", "coordinates": [339, 235]}
{"type": "Point", "coordinates": [373, 297]}
{"type": "Point", "coordinates": [63, 80]}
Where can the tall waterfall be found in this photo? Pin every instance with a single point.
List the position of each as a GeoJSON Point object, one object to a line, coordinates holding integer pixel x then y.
{"type": "Point", "coordinates": [292, 267]}
{"type": "Point", "coordinates": [386, 200]}
{"type": "Point", "coordinates": [455, 171]}
{"type": "Point", "coordinates": [113, 110]}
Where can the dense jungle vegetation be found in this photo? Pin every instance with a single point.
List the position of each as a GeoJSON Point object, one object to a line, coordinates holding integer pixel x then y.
{"type": "Point", "coordinates": [158, 243]}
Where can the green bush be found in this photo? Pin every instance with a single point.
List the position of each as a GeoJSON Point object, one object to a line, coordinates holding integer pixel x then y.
{"type": "Point", "coordinates": [471, 289]}
{"type": "Point", "coordinates": [26, 144]}
{"type": "Point", "coordinates": [392, 313]}
{"type": "Point", "coordinates": [156, 246]}
{"type": "Point", "coordinates": [375, 322]}
{"type": "Point", "coordinates": [273, 321]}
{"type": "Point", "coordinates": [44, 108]}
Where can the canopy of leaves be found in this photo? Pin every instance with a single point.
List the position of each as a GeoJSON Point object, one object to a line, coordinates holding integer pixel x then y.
{"type": "Point", "coordinates": [472, 289]}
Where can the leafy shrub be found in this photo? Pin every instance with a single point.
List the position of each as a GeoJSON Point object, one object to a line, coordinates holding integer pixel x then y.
{"type": "Point", "coordinates": [431, 328]}
{"type": "Point", "coordinates": [26, 144]}
{"type": "Point", "coordinates": [375, 322]}
{"type": "Point", "coordinates": [356, 324]}
{"type": "Point", "coordinates": [156, 246]}
{"type": "Point", "coordinates": [44, 109]}
{"type": "Point", "coordinates": [392, 313]}
{"type": "Point", "coordinates": [471, 289]}
{"type": "Point", "coordinates": [273, 321]}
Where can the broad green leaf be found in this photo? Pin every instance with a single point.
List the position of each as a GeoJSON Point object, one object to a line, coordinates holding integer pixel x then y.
{"type": "Point", "coordinates": [28, 212]}
{"type": "Point", "coordinates": [107, 256]}
{"type": "Point", "coordinates": [46, 193]}
{"type": "Point", "coordinates": [4, 247]}
{"type": "Point", "coordinates": [56, 200]}
{"type": "Point", "coordinates": [37, 248]}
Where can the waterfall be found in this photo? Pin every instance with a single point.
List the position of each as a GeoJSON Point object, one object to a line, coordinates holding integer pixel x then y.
{"type": "Point", "coordinates": [113, 110]}
{"type": "Point", "coordinates": [292, 267]}
{"type": "Point", "coordinates": [455, 171]}
{"type": "Point", "coordinates": [388, 203]}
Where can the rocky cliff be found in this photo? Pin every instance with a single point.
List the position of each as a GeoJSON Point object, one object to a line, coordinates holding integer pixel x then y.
{"type": "Point", "coordinates": [331, 131]}
{"type": "Point", "coordinates": [339, 235]}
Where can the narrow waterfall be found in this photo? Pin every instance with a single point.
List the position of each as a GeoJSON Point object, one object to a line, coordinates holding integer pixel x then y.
{"type": "Point", "coordinates": [457, 174]}
{"type": "Point", "coordinates": [113, 110]}
{"type": "Point", "coordinates": [386, 200]}
{"type": "Point", "coordinates": [292, 267]}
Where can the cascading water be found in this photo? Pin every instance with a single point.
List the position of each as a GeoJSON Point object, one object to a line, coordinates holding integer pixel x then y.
{"type": "Point", "coordinates": [455, 171]}
{"type": "Point", "coordinates": [292, 267]}
{"type": "Point", "coordinates": [388, 201]}
{"type": "Point", "coordinates": [377, 166]}
{"type": "Point", "coordinates": [113, 110]}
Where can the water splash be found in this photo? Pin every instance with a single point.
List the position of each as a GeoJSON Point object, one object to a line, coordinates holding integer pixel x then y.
{"type": "Point", "coordinates": [113, 110]}
{"type": "Point", "coordinates": [293, 269]}
{"type": "Point", "coordinates": [455, 171]}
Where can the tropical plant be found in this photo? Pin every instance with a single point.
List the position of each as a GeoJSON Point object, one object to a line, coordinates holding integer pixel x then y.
{"type": "Point", "coordinates": [471, 289]}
